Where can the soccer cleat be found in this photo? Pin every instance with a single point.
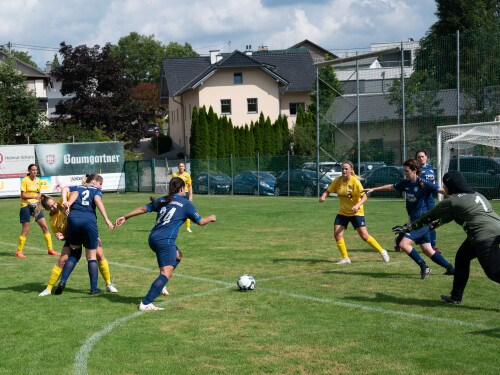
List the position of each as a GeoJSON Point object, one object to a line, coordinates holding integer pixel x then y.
{"type": "Point", "coordinates": [111, 288]}
{"type": "Point", "coordinates": [424, 273]}
{"type": "Point", "coordinates": [164, 291]}
{"type": "Point", "coordinates": [437, 250]}
{"type": "Point", "coordinates": [60, 287]}
{"type": "Point", "coordinates": [20, 254]}
{"type": "Point", "coordinates": [344, 261]}
{"type": "Point", "coordinates": [451, 300]}
{"type": "Point", "coordinates": [450, 271]}
{"type": "Point", "coordinates": [385, 256]}
{"type": "Point", "coordinates": [53, 252]}
{"type": "Point", "coordinates": [96, 291]}
{"type": "Point", "coordinates": [189, 230]}
{"type": "Point", "coordinates": [46, 292]}
{"type": "Point", "coordinates": [149, 307]}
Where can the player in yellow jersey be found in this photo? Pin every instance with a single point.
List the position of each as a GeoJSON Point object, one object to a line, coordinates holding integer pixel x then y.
{"type": "Point", "coordinates": [350, 193]}
{"type": "Point", "coordinates": [30, 192]}
{"type": "Point", "coordinates": [189, 187]}
{"type": "Point", "coordinates": [58, 223]}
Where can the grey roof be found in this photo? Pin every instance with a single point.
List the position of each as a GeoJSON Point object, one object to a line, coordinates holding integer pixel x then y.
{"type": "Point", "coordinates": [368, 61]}
{"type": "Point", "coordinates": [377, 107]}
{"type": "Point", "coordinates": [307, 42]}
{"type": "Point", "coordinates": [25, 68]}
{"type": "Point", "coordinates": [293, 71]}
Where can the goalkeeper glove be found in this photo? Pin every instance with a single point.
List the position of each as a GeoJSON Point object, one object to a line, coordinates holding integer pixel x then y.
{"type": "Point", "coordinates": [401, 229]}
{"type": "Point", "coordinates": [435, 224]}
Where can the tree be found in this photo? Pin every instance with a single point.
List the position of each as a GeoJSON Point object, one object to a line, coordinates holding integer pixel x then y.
{"type": "Point", "coordinates": [19, 113]}
{"type": "Point", "coordinates": [101, 93]}
{"type": "Point", "coordinates": [55, 62]}
{"type": "Point", "coordinates": [147, 95]}
{"type": "Point", "coordinates": [24, 57]}
{"type": "Point", "coordinates": [329, 88]}
{"type": "Point", "coordinates": [304, 134]}
{"type": "Point", "coordinates": [143, 55]}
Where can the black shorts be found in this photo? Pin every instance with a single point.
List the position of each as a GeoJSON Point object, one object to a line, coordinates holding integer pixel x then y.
{"type": "Point", "coordinates": [356, 221]}
{"type": "Point", "coordinates": [27, 212]}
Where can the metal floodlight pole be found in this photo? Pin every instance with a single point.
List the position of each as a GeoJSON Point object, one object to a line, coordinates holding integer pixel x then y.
{"type": "Point", "coordinates": [357, 115]}
{"type": "Point", "coordinates": [458, 77]}
{"type": "Point", "coordinates": [317, 131]}
{"type": "Point", "coordinates": [403, 96]}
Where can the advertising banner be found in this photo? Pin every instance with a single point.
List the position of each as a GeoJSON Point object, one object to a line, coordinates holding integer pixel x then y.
{"type": "Point", "coordinates": [10, 187]}
{"type": "Point", "coordinates": [14, 160]}
{"type": "Point", "coordinates": [63, 159]}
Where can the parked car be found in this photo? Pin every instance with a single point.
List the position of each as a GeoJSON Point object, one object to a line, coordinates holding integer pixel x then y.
{"type": "Point", "coordinates": [481, 173]}
{"type": "Point", "coordinates": [331, 169]}
{"type": "Point", "coordinates": [253, 182]}
{"type": "Point", "coordinates": [302, 182]}
{"type": "Point", "coordinates": [213, 183]}
{"type": "Point", "coordinates": [368, 166]}
{"type": "Point", "coordinates": [153, 130]}
{"type": "Point", "coordinates": [383, 176]}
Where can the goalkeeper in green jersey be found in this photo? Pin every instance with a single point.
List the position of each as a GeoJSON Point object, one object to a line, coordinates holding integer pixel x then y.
{"type": "Point", "coordinates": [474, 214]}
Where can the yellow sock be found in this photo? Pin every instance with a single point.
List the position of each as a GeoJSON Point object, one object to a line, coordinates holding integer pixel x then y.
{"type": "Point", "coordinates": [188, 223]}
{"type": "Point", "coordinates": [342, 248]}
{"type": "Point", "coordinates": [48, 240]}
{"type": "Point", "coordinates": [373, 243]}
{"type": "Point", "coordinates": [21, 242]}
{"type": "Point", "coordinates": [104, 269]}
{"type": "Point", "coordinates": [54, 276]}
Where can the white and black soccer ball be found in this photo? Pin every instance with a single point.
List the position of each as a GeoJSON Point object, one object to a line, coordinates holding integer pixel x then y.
{"type": "Point", "coordinates": [246, 282]}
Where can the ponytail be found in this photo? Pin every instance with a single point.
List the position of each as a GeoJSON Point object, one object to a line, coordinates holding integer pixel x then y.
{"type": "Point", "coordinates": [175, 185]}
{"type": "Point", "coordinates": [42, 202]}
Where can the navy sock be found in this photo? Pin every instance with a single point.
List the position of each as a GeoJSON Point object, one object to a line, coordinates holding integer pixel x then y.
{"type": "Point", "coordinates": [155, 289]}
{"type": "Point", "coordinates": [439, 259]}
{"type": "Point", "coordinates": [93, 273]}
{"type": "Point", "coordinates": [68, 268]}
{"type": "Point", "coordinates": [176, 263]}
{"type": "Point", "coordinates": [417, 258]}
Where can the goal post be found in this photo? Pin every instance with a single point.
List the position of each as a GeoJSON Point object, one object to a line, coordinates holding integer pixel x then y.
{"type": "Point", "coordinates": [473, 149]}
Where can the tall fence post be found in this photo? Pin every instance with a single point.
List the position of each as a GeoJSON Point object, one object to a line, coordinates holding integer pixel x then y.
{"type": "Point", "coordinates": [208, 176]}
{"type": "Point", "coordinates": [232, 175]}
{"type": "Point", "coordinates": [288, 168]}
{"type": "Point", "coordinates": [258, 174]}
{"type": "Point", "coordinates": [317, 135]}
{"type": "Point", "coordinates": [153, 179]}
{"type": "Point", "coordinates": [458, 95]}
{"type": "Point", "coordinates": [138, 178]}
{"type": "Point", "coordinates": [357, 118]}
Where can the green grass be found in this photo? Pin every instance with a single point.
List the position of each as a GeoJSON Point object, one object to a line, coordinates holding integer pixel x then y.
{"type": "Point", "coordinates": [307, 315]}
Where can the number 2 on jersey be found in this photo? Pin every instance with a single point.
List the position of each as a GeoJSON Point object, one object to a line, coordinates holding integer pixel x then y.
{"type": "Point", "coordinates": [165, 216]}
{"type": "Point", "coordinates": [85, 197]}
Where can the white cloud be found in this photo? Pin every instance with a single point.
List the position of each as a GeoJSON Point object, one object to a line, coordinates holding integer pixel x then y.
{"type": "Point", "coordinates": [333, 24]}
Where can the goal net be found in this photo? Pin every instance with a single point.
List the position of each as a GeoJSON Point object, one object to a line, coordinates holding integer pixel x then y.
{"type": "Point", "coordinates": [474, 150]}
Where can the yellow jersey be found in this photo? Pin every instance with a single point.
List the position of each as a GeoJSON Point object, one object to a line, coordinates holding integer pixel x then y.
{"type": "Point", "coordinates": [32, 188]}
{"type": "Point", "coordinates": [58, 221]}
{"type": "Point", "coordinates": [186, 177]}
{"type": "Point", "coordinates": [349, 194]}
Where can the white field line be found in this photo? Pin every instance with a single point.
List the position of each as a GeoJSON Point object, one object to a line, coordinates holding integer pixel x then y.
{"type": "Point", "coordinates": [80, 365]}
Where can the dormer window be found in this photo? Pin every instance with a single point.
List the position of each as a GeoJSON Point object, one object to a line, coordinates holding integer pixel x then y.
{"type": "Point", "coordinates": [238, 78]}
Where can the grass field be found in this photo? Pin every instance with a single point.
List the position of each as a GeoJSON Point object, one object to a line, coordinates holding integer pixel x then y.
{"type": "Point", "coordinates": [307, 315]}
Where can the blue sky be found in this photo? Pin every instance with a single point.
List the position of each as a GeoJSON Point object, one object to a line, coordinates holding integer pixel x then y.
{"type": "Point", "coordinates": [336, 25]}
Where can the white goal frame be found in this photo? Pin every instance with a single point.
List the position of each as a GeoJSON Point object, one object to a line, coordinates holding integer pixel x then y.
{"type": "Point", "coordinates": [482, 133]}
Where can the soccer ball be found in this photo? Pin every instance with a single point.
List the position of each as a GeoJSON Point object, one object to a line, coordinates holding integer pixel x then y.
{"type": "Point", "coordinates": [246, 282]}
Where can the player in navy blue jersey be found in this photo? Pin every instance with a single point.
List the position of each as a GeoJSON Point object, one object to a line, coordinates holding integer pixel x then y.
{"type": "Point", "coordinates": [417, 191]}
{"type": "Point", "coordinates": [172, 211]}
{"type": "Point", "coordinates": [82, 228]}
{"type": "Point", "coordinates": [427, 173]}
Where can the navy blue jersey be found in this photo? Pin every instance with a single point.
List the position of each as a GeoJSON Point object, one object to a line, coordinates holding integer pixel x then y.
{"type": "Point", "coordinates": [171, 217]}
{"type": "Point", "coordinates": [416, 195]}
{"type": "Point", "coordinates": [428, 173]}
{"type": "Point", "coordinates": [84, 205]}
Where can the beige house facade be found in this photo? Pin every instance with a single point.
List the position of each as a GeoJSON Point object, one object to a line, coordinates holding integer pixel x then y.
{"type": "Point", "coordinates": [240, 86]}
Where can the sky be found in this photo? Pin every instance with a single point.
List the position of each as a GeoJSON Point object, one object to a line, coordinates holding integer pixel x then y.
{"type": "Point", "coordinates": [39, 26]}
